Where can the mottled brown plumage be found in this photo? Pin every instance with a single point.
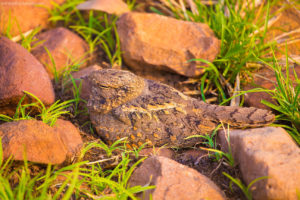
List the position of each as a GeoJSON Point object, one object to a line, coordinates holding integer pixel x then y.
{"type": "Point", "coordinates": [125, 105]}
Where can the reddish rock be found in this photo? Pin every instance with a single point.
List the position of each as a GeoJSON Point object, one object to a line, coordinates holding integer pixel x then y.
{"type": "Point", "coordinates": [70, 137]}
{"type": "Point", "coordinates": [20, 71]}
{"type": "Point", "coordinates": [285, 31]}
{"type": "Point", "coordinates": [82, 76]}
{"type": "Point", "coordinates": [267, 151]}
{"type": "Point", "coordinates": [151, 42]}
{"type": "Point", "coordinates": [65, 47]}
{"type": "Point", "coordinates": [24, 15]}
{"type": "Point", "coordinates": [168, 153]}
{"type": "Point", "coordinates": [40, 142]}
{"type": "Point", "coordinates": [173, 181]}
{"type": "Point", "coordinates": [265, 78]}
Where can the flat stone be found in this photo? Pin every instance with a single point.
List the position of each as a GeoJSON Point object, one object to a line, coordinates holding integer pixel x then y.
{"type": "Point", "coordinates": [267, 151]}
{"type": "Point", "coordinates": [117, 7]}
{"type": "Point", "coordinates": [173, 181]}
{"type": "Point", "coordinates": [24, 15]}
{"type": "Point", "coordinates": [265, 78]}
{"type": "Point", "coordinates": [20, 71]}
{"type": "Point", "coordinates": [65, 47]}
{"type": "Point", "coordinates": [40, 142]}
{"type": "Point", "coordinates": [148, 43]}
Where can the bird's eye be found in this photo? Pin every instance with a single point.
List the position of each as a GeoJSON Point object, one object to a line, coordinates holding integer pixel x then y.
{"type": "Point", "coordinates": [103, 86]}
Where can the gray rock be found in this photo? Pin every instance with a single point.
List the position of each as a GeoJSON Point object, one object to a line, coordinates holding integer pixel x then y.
{"type": "Point", "coordinates": [268, 152]}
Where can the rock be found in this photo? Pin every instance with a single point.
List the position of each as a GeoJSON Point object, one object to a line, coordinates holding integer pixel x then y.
{"type": "Point", "coordinates": [20, 71]}
{"type": "Point", "coordinates": [117, 7]}
{"type": "Point", "coordinates": [82, 76]}
{"type": "Point", "coordinates": [147, 43]}
{"type": "Point", "coordinates": [40, 142]}
{"type": "Point", "coordinates": [268, 152]}
{"type": "Point", "coordinates": [173, 181]}
{"type": "Point", "coordinates": [70, 137]}
{"type": "Point", "coordinates": [24, 15]}
{"type": "Point", "coordinates": [65, 47]}
{"type": "Point", "coordinates": [164, 152]}
{"type": "Point", "coordinates": [285, 31]}
{"type": "Point", "coordinates": [265, 78]}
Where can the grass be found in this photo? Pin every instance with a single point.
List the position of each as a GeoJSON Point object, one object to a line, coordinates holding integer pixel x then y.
{"type": "Point", "coordinates": [27, 40]}
{"type": "Point", "coordinates": [287, 97]}
{"type": "Point", "coordinates": [208, 139]}
{"type": "Point", "coordinates": [62, 75]}
{"type": "Point", "coordinates": [79, 180]}
{"type": "Point", "coordinates": [131, 4]}
{"type": "Point", "coordinates": [52, 66]}
{"type": "Point", "coordinates": [219, 155]}
{"type": "Point", "coordinates": [97, 28]}
{"type": "Point", "coordinates": [48, 115]}
{"type": "Point", "coordinates": [242, 30]}
{"type": "Point", "coordinates": [121, 172]}
{"type": "Point", "coordinates": [241, 44]}
{"type": "Point", "coordinates": [101, 30]}
{"type": "Point", "coordinates": [76, 90]}
{"type": "Point", "coordinates": [66, 13]}
{"type": "Point", "coordinates": [8, 27]}
{"type": "Point", "coordinates": [245, 189]}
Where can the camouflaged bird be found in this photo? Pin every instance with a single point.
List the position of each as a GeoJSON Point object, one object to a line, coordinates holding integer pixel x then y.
{"type": "Point", "coordinates": [125, 105]}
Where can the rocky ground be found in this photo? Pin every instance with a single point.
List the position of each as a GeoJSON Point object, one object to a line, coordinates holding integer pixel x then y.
{"type": "Point", "coordinates": [60, 105]}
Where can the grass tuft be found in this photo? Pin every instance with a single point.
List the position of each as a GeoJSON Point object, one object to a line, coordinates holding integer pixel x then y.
{"type": "Point", "coordinates": [47, 115]}
{"type": "Point", "coordinates": [97, 28]}
{"type": "Point", "coordinates": [287, 96]}
{"type": "Point", "coordinates": [245, 189]}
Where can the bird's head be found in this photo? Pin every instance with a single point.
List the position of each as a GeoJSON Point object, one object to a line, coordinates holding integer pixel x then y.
{"type": "Point", "coordinates": [112, 88]}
